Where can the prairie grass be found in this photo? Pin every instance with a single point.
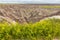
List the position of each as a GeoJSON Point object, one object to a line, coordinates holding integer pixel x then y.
{"type": "Point", "coordinates": [50, 6]}
{"type": "Point", "coordinates": [43, 30]}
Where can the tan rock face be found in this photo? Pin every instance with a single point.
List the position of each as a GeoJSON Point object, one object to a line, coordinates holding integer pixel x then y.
{"type": "Point", "coordinates": [25, 13]}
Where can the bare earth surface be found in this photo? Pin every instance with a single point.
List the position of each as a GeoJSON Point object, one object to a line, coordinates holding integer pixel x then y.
{"type": "Point", "coordinates": [26, 13]}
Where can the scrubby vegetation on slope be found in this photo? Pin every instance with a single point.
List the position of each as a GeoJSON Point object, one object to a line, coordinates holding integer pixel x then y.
{"type": "Point", "coordinates": [43, 30]}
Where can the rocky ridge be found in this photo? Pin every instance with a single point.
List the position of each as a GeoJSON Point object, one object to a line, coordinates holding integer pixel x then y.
{"type": "Point", "coordinates": [25, 13]}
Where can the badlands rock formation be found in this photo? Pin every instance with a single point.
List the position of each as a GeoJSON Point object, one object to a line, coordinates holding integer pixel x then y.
{"type": "Point", "coordinates": [25, 13]}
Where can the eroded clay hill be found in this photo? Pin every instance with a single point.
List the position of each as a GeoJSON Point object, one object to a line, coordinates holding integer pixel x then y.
{"type": "Point", "coordinates": [25, 13]}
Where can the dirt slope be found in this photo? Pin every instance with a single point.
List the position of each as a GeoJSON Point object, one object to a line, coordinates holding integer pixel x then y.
{"type": "Point", "coordinates": [25, 13]}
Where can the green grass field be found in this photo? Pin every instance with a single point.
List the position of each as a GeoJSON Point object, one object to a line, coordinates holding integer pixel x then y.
{"type": "Point", "coordinates": [43, 30]}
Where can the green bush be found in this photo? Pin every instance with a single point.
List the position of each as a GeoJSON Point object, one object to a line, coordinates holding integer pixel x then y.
{"type": "Point", "coordinates": [43, 30]}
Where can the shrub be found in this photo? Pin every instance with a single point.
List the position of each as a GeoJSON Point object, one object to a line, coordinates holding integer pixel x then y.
{"type": "Point", "coordinates": [44, 30]}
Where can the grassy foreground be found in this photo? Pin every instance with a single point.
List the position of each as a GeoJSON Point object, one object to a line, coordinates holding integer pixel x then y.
{"type": "Point", "coordinates": [43, 30]}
